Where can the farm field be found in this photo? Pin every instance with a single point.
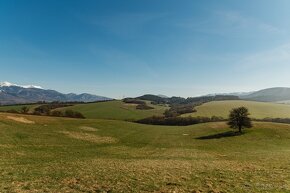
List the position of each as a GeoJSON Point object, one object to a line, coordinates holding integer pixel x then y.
{"type": "Point", "coordinates": [258, 110]}
{"type": "Point", "coordinates": [46, 154]}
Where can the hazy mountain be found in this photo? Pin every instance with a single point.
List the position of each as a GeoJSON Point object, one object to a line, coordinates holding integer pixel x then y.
{"type": "Point", "coordinates": [17, 94]}
{"type": "Point", "coordinates": [269, 95]}
{"type": "Point", "coordinates": [239, 94]}
{"type": "Point", "coordinates": [163, 96]}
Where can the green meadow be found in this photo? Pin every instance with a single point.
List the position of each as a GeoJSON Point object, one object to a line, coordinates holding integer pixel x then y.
{"type": "Point", "coordinates": [258, 110]}
{"type": "Point", "coordinates": [115, 110]}
{"type": "Point", "coordinates": [18, 107]}
{"type": "Point", "coordinates": [46, 154]}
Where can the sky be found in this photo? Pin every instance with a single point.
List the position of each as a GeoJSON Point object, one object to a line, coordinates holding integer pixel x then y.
{"type": "Point", "coordinates": [132, 47]}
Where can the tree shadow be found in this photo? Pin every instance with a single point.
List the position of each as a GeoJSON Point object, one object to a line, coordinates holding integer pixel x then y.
{"type": "Point", "coordinates": [221, 135]}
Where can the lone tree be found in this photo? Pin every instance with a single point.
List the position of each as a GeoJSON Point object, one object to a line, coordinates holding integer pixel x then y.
{"type": "Point", "coordinates": [239, 118]}
{"type": "Point", "coordinates": [24, 110]}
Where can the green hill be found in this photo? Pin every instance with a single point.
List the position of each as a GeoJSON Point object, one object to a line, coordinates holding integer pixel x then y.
{"type": "Point", "coordinates": [257, 109]}
{"type": "Point", "coordinates": [269, 95]}
{"type": "Point", "coordinates": [46, 154]}
{"type": "Point", "coordinates": [18, 107]}
{"type": "Point", "coordinates": [116, 110]}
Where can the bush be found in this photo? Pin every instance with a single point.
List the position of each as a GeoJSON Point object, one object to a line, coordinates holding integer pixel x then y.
{"type": "Point", "coordinates": [178, 121]}
{"type": "Point", "coordinates": [24, 110]}
{"type": "Point", "coordinates": [275, 120]}
{"type": "Point", "coordinates": [133, 101]}
{"type": "Point", "coordinates": [12, 111]}
{"type": "Point", "coordinates": [143, 107]}
{"type": "Point", "coordinates": [73, 114]}
{"type": "Point", "coordinates": [177, 110]}
{"type": "Point", "coordinates": [56, 113]}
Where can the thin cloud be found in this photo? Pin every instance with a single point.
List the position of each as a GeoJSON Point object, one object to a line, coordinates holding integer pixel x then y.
{"type": "Point", "coordinates": [229, 23]}
{"type": "Point", "coordinates": [237, 20]}
{"type": "Point", "coordinates": [276, 57]}
{"type": "Point", "coordinates": [125, 24]}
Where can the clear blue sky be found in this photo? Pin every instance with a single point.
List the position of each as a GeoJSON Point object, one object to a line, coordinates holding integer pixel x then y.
{"type": "Point", "coordinates": [128, 48]}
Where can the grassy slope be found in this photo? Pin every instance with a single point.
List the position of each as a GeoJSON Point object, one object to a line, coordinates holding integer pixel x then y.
{"type": "Point", "coordinates": [58, 155]}
{"type": "Point", "coordinates": [116, 110]}
{"type": "Point", "coordinates": [257, 109]}
{"type": "Point", "coordinates": [18, 107]}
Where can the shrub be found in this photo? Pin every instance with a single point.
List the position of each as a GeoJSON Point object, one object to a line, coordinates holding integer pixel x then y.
{"type": "Point", "coordinates": [143, 107]}
{"type": "Point", "coordinates": [56, 113]}
{"type": "Point", "coordinates": [178, 121]}
{"type": "Point", "coordinates": [73, 114]}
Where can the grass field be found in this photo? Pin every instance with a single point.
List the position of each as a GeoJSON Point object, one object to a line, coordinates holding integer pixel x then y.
{"type": "Point", "coordinates": [258, 110]}
{"type": "Point", "coordinates": [116, 110]}
{"type": "Point", "coordinates": [18, 107]}
{"type": "Point", "coordinates": [46, 154]}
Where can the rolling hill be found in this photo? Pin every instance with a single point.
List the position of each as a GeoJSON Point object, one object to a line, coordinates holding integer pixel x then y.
{"type": "Point", "coordinates": [116, 110]}
{"type": "Point", "coordinates": [46, 154]}
{"type": "Point", "coordinates": [269, 95]}
{"type": "Point", "coordinates": [258, 110]}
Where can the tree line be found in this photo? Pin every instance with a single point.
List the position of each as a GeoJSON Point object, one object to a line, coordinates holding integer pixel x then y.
{"type": "Point", "coordinates": [48, 109]}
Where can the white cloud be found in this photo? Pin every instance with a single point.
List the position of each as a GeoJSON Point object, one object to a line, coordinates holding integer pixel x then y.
{"type": "Point", "coordinates": [237, 20]}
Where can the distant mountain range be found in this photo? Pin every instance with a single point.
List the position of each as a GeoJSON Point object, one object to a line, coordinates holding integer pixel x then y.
{"type": "Point", "coordinates": [277, 94]}
{"type": "Point", "coordinates": [17, 94]}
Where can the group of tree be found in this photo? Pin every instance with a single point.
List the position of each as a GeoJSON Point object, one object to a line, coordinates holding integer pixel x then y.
{"type": "Point", "coordinates": [275, 120]}
{"type": "Point", "coordinates": [176, 110]}
{"type": "Point", "coordinates": [141, 105]}
{"type": "Point", "coordinates": [178, 121]}
{"type": "Point", "coordinates": [190, 100]}
{"type": "Point", "coordinates": [48, 109]}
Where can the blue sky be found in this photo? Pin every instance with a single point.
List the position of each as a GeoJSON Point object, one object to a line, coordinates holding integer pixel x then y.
{"type": "Point", "coordinates": [128, 48]}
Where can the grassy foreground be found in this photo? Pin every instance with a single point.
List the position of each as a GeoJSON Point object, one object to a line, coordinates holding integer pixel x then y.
{"type": "Point", "coordinates": [45, 154]}
{"type": "Point", "coordinates": [258, 110]}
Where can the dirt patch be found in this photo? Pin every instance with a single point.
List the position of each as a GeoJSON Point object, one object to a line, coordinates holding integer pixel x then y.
{"type": "Point", "coordinates": [90, 137]}
{"type": "Point", "coordinates": [130, 105]}
{"type": "Point", "coordinates": [85, 128]}
{"type": "Point", "coordinates": [20, 119]}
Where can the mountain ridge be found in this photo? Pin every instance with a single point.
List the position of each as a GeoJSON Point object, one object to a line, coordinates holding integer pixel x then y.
{"type": "Point", "coordinates": [273, 94]}
{"type": "Point", "coordinates": [16, 94]}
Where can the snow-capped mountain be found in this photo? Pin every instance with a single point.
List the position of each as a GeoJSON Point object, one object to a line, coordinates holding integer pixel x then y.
{"type": "Point", "coordinates": [8, 84]}
{"type": "Point", "coordinates": [17, 94]}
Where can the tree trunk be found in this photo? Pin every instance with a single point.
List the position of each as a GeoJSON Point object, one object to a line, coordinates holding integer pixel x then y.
{"type": "Point", "coordinates": [240, 129]}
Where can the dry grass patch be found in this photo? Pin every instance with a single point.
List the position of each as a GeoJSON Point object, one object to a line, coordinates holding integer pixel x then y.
{"type": "Point", "coordinates": [90, 137]}
{"type": "Point", "coordinates": [20, 119]}
{"type": "Point", "coordinates": [85, 128]}
{"type": "Point", "coordinates": [130, 105]}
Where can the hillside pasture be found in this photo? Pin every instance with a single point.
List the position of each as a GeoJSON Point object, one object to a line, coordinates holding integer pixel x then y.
{"type": "Point", "coordinates": [59, 155]}
{"type": "Point", "coordinates": [258, 110]}
{"type": "Point", "coordinates": [18, 107]}
{"type": "Point", "coordinates": [115, 110]}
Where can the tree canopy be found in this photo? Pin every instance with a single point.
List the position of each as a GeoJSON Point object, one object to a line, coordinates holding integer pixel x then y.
{"type": "Point", "coordinates": [239, 118]}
